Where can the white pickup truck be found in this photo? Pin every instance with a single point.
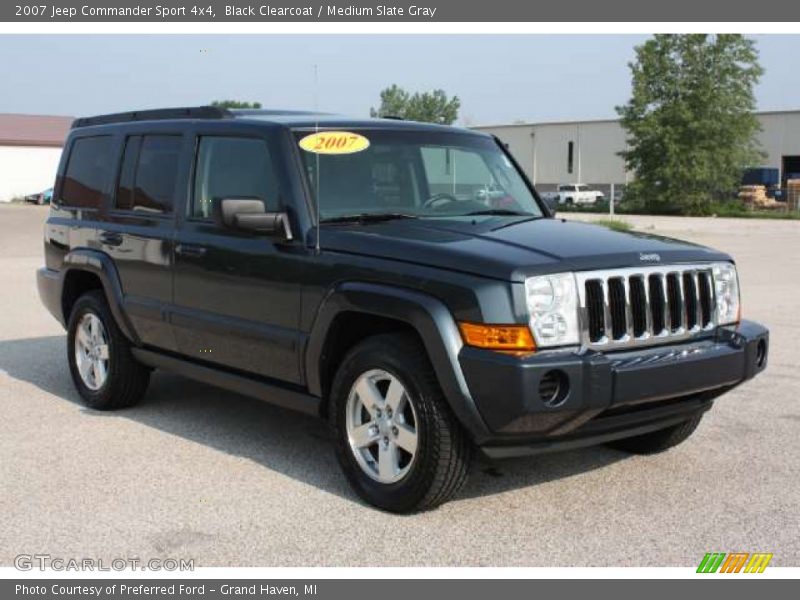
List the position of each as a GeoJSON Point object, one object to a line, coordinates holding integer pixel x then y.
{"type": "Point", "coordinates": [576, 193]}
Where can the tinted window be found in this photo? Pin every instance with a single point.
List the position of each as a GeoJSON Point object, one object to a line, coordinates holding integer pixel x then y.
{"type": "Point", "coordinates": [88, 172]}
{"type": "Point", "coordinates": [124, 196]}
{"type": "Point", "coordinates": [229, 167]}
{"type": "Point", "coordinates": [156, 173]}
{"type": "Point", "coordinates": [426, 174]}
{"type": "Point", "coordinates": [456, 171]}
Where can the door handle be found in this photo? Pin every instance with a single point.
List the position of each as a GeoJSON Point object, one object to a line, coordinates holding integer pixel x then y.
{"type": "Point", "coordinates": [190, 250]}
{"type": "Point", "coordinates": [111, 238]}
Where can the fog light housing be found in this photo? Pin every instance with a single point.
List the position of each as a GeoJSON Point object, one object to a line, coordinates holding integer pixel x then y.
{"type": "Point", "coordinates": [553, 388]}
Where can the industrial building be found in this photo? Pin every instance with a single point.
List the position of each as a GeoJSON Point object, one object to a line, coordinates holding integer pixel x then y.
{"type": "Point", "coordinates": [30, 148]}
{"type": "Point", "coordinates": [550, 153]}
{"type": "Point", "coordinates": [588, 151]}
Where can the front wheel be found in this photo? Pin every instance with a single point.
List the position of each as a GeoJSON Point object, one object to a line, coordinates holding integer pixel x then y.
{"type": "Point", "coordinates": [396, 438]}
{"type": "Point", "coordinates": [658, 441]}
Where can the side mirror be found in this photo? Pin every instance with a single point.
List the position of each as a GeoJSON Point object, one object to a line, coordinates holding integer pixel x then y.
{"type": "Point", "coordinates": [249, 214]}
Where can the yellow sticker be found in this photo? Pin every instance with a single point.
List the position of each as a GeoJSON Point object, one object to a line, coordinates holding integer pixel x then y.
{"type": "Point", "coordinates": [334, 142]}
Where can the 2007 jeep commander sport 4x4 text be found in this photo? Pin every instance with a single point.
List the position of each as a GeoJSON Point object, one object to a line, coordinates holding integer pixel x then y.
{"type": "Point", "coordinates": [401, 280]}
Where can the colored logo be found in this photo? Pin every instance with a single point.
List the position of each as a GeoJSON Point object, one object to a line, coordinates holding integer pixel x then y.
{"type": "Point", "coordinates": [736, 562]}
{"type": "Point", "coordinates": [334, 142]}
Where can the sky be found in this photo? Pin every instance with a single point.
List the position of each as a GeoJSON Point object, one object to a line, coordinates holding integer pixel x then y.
{"type": "Point", "coordinates": [499, 79]}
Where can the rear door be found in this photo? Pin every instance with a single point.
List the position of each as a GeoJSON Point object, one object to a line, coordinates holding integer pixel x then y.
{"type": "Point", "coordinates": [237, 294]}
{"type": "Point", "coordinates": [140, 226]}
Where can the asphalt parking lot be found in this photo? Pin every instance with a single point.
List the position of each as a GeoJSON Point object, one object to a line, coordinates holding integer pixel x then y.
{"type": "Point", "coordinates": [195, 472]}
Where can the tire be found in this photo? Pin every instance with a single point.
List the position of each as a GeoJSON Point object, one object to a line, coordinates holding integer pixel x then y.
{"type": "Point", "coordinates": [443, 452]}
{"type": "Point", "coordinates": [569, 202]}
{"type": "Point", "coordinates": [125, 378]}
{"type": "Point", "coordinates": [658, 441]}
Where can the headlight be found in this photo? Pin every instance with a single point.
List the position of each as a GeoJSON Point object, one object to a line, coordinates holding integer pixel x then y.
{"type": "Point", "coordinates": [726, 288]}
{"type": "Point", "coordinates": [553, 306]}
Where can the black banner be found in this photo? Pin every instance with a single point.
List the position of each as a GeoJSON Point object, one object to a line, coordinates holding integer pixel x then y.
{"type": "Point", "coordinates": [386, 589]}
{"type": "Point", "coordinates": [389, 11]}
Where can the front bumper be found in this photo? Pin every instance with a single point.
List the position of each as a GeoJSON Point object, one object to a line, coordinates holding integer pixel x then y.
{"type": "Point", "coordinates": [605, 396]}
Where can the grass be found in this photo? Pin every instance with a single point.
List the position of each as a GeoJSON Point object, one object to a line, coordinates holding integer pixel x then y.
{"type": "Point", "coordinates": [732, 209]}
{"type": "Point", "coordinates": [738, 211]}
{"type": "Point", "coordinates": [614, 224]}
{"type": "Point", "coordinates": [597, 207]}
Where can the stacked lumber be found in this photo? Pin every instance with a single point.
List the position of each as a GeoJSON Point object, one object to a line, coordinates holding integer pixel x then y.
{"type": "Point", "coordinates": [755, 196]}
{"type": "Point", "coordinates": [793, 194]}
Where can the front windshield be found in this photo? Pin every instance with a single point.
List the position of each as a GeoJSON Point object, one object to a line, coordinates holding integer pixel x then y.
{"type": "Point", "coordinates": [418, 174]}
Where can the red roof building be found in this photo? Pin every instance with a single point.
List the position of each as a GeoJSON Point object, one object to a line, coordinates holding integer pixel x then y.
{"type": "Point", "coordinates": [33, 130]}
{"type": "Point", "coordinates": [30, 149]}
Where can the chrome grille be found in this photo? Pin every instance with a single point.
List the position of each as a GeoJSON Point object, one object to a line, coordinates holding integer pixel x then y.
{"type": "Point", "coordinates": [645, 306]}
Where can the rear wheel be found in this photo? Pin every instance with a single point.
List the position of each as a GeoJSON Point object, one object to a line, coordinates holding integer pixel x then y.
{"type": "Point", "coordinates": [397, 440]}
{"type": "Point", "coordinates": [658, 441]}
{"type": "Point", "coordinates": [104, 371]}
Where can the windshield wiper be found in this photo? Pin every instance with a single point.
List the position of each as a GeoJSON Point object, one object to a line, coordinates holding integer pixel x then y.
{"type": "Point", "coordinates": [499, 211]}
{"type": "Point", "coordinates": [368, 218]}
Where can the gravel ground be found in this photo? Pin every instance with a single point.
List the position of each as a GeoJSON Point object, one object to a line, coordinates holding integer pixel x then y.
{"type": "Point", "coordinates": [195, 472]}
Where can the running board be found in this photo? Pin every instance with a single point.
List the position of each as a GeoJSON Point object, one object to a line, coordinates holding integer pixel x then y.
{"type": "Point", "coordinates": [273, 393]}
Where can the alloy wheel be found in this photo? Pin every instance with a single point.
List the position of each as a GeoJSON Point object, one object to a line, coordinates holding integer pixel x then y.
{"type": "Point", "coordinates": [382, 426]}
{"type": "Point", "coordinates": [91, 351]}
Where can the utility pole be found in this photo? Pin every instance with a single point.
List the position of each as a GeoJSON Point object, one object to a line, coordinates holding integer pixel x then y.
{"type": "Point", "coordinates": [611, 201]}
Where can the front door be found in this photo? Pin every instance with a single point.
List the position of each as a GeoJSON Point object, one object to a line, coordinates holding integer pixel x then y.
{"type": "Point", "coordinates": [236, 296]}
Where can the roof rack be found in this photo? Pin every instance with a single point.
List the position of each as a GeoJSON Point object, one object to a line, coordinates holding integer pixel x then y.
{"type": "Point", "coordinates": [274, 112]}
{"type": "Point", "coordinates": [192, 112]}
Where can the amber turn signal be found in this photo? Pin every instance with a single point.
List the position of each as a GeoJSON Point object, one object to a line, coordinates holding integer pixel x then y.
{"type": "Point", "coordinates": [497, 337]}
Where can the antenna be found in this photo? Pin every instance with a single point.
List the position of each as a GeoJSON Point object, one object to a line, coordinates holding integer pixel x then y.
{"type": "Point", "coordinates": [316, 156]}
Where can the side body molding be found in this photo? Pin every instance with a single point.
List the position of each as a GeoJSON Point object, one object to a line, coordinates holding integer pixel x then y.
{"type": "Point", "coordinates": [100, 264]}
{"type": "Point", "coordinates": [427, 315]}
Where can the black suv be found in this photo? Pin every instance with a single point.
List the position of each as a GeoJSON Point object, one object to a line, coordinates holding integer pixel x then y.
{"type": "Point", "coordinates": [402, 280]}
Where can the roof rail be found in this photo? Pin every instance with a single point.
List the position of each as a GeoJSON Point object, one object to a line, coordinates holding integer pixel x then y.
{"type": "Point", "coordinates": [274, 112]}
{"type": "Point", "coordinates": [191, 112]}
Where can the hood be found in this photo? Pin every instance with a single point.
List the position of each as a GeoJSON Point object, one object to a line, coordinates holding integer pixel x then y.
{"type": "Point", "coordinates": [510, 248]}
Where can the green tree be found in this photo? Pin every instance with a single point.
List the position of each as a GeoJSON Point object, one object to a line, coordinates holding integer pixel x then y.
{"type": "Point", "coordinates": [430, 107]}
{"type": "Point", "coordinates": [235, 104]}
{"type": "Point", "coordinates": [690, 123]}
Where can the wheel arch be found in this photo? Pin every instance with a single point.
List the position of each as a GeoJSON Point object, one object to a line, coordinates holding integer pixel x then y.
{"type": "Point", "coordinates": [390, 308]}
{"type": "Point", "coordinates": [85, 269]}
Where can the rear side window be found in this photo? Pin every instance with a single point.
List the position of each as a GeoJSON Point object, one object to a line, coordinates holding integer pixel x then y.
{"type": "Point", "coordinates": [149, 173]}
{"type": "Point", "coordinates": [124, 196]}
{"type": "Point", "coordinates": [231, 167]}
{"type": "Point", "coordinates": [88, 173]}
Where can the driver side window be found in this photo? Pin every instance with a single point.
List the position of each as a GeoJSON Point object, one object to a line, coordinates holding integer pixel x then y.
{"type": "Point", "coordinates": [231, 167]}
